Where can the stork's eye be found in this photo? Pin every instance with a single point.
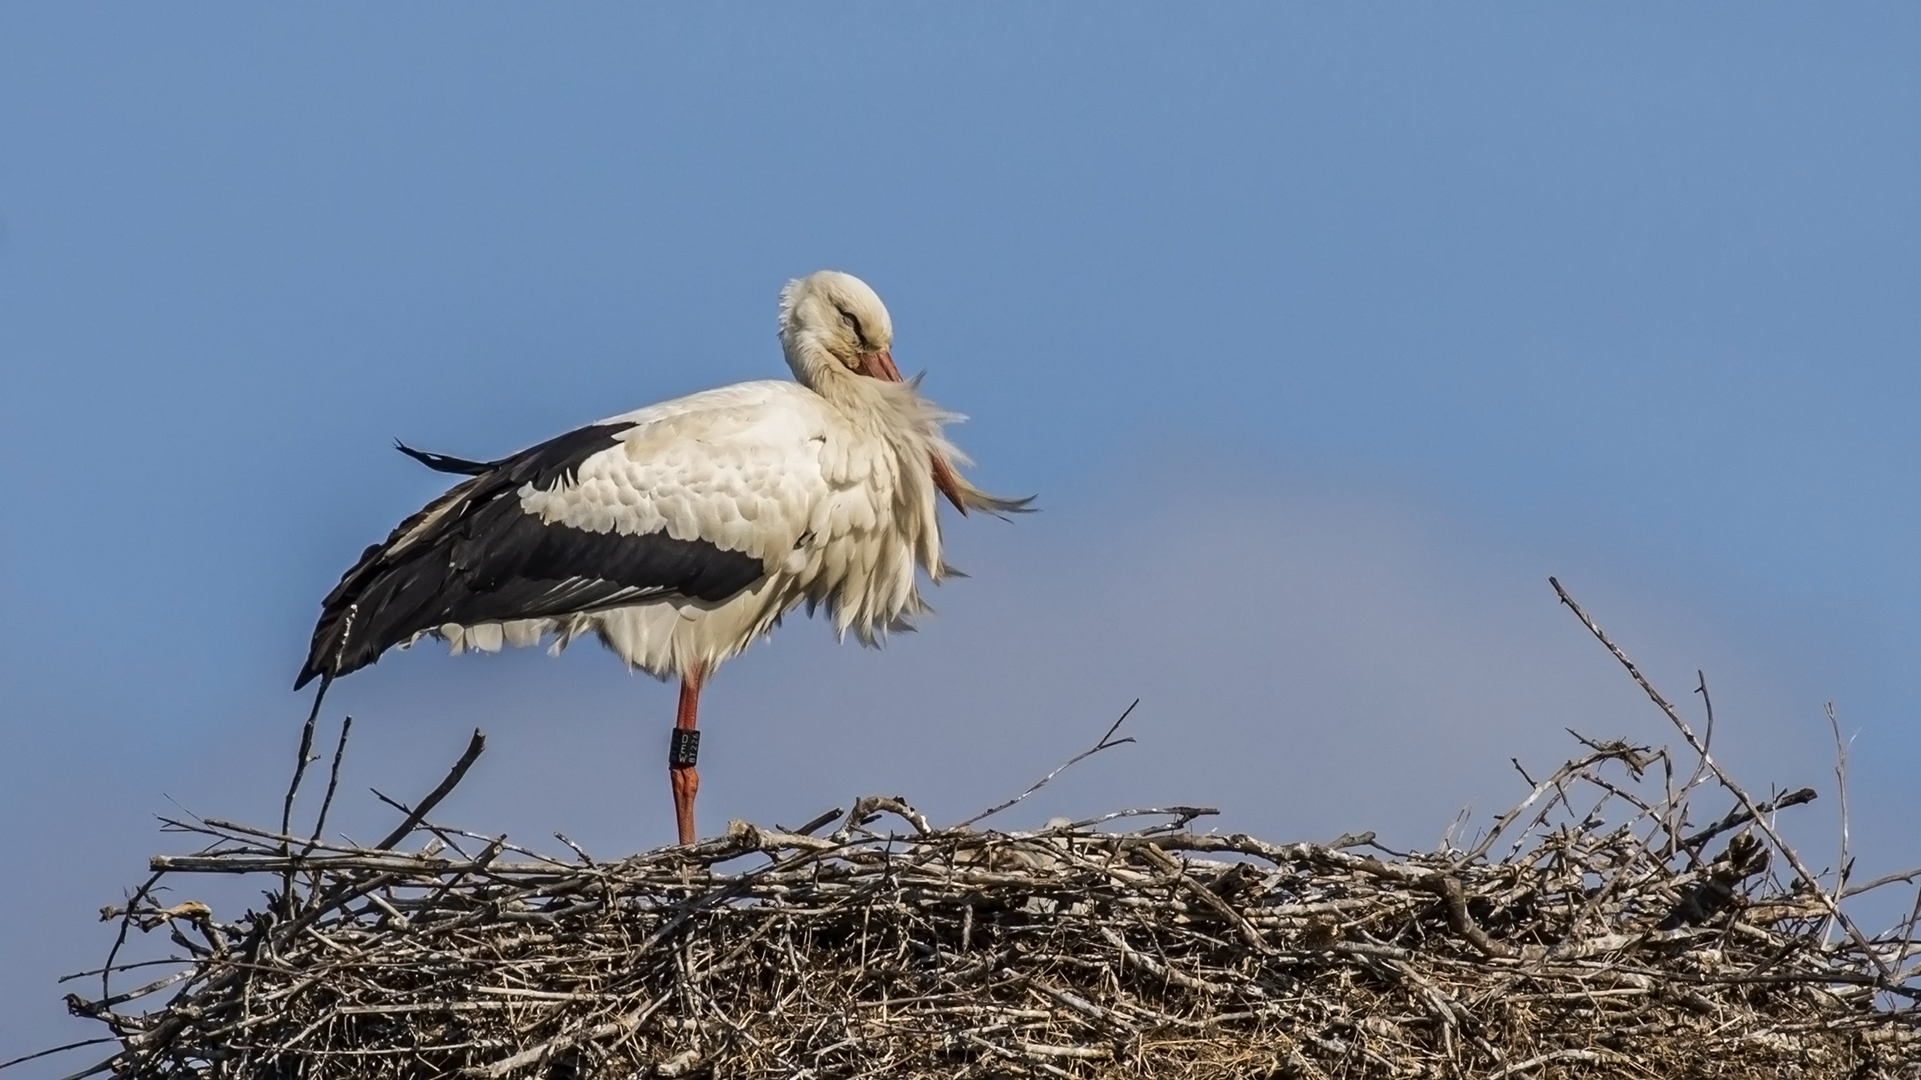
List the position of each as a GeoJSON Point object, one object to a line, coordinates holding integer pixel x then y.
{"type": "Point", "coordinates": [852, 324]}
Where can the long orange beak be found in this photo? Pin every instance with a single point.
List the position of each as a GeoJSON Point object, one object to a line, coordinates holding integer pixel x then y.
{"type": "Point", "coordinates": [880, 365]}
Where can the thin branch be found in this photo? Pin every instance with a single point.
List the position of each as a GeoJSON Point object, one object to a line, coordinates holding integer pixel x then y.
{"type": "Point", "coordinates": [474, 746]}
{"type": "Point", "coordinates": [56, 1050]}
{"type": "Point", "coordinates": [301, 761]}
{"type": "Point", "coordinates": [1106, 742]}
{"type": "Point", "coordinates": [1845, 865]}
{"type": "Point", "coordinates": [818, 822]}
{"type": "Point", "coordinates": [333, 785]}
{"type": "Point", "coordinates": [1884, 879]}
{"type": "Point", "coordinates": [1742, 815]}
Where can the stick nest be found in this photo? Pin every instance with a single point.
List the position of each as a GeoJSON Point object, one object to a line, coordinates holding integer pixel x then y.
{"type": "Point", "coordinates": [890, 948]}
{"type": "Point", "coordinates": [1604, 926]}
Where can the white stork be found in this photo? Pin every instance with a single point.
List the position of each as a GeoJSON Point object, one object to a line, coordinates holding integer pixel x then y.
{"type": "Point", "coordinates": [680, 532]}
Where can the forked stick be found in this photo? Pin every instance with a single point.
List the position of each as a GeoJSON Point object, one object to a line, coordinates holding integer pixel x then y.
{"type": "Point", "coordinates": [474, 746]}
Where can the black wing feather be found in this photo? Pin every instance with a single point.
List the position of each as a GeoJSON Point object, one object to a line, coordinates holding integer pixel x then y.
{"type": "Point", "coordinates": [484, 559]}
{"type": "Point", "coordinates": [446, 464]}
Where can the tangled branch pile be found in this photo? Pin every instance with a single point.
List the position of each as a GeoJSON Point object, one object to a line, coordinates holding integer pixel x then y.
{"type": "Point", "coordinates": [1557, 945]}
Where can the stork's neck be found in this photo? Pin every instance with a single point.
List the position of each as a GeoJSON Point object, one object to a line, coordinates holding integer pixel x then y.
{"type": "Point", "coordinates": [893, 411]}
{"type": "Point", "coordinates": [812, 364]}
{"type": "Point", "coordinates": [820, 371]}
{"type": "Point", "coordinates": [887, 409]}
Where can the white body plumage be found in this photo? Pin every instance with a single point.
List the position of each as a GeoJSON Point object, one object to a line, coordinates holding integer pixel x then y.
{"type": "Point", "coordinates": [837, 504]}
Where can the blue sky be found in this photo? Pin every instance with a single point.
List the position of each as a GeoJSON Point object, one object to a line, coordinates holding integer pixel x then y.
{"type": "Point", "coordinates": [1324, 335]}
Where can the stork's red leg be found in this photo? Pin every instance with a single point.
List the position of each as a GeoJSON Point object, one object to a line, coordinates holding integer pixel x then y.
{"type": "Point", "coordinates": [682, 754]}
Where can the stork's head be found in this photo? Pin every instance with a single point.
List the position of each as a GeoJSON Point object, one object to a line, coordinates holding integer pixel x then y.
{"type": "Point", "coordinates": [836, 332]}
{"type": "Point", "coordinates": [829, 321]}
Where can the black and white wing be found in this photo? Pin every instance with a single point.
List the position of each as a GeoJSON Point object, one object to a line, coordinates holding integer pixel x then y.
{"type": "Point", "coordinates": [696, 498]}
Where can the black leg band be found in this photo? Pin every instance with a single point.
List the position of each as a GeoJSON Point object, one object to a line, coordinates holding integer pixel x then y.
{"type": "Point", "coordinates": [685, 749]}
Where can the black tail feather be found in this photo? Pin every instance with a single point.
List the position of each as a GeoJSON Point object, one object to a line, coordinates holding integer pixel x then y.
{"type": "Point", "coordinates": [443, 463]}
